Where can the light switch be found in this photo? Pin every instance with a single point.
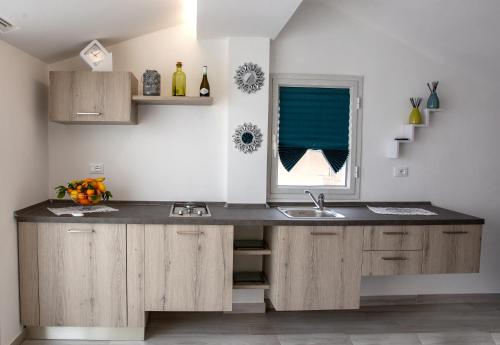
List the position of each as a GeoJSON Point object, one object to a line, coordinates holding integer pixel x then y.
{"type": "Point", "coordinates": [96, 168]}
{"type": "Point", "coordinates": [400, 172]}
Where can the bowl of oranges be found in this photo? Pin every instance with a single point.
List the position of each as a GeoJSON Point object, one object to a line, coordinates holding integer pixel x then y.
{"type": "Point", "coordinates": [86, 192]}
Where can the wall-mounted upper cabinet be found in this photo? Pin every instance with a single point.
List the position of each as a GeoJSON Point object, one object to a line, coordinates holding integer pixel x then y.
{"type": "Point", "coordinates": [83, 97]}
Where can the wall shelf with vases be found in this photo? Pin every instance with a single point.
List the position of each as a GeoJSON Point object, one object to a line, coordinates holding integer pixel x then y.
{"type": "Point", "coordinates": [172, 100]}
{"type": "Point", "coordinates": [407, 134]}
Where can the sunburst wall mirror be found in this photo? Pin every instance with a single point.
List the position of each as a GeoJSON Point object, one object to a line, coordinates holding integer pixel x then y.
{"type": "Point", "coordinates": [247, 138]}
{"type": "Point", "coordinates": [249, 78]}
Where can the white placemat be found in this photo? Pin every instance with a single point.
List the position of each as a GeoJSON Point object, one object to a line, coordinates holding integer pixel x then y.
{"type": "Point", "coordinates": [79, 210]}
{"type": "Point", "coordinates": [402, 211]}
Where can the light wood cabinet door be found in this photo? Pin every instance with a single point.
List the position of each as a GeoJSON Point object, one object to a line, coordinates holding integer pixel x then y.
{"type": "Point", "coordinates": [452, 249]}
{"type": "Point", "coordinates": [82, 275]}
{"type": "Point", "coordinates": [314, 268]}
{"type": "Point", "coordinates": [61, 96]}
{"type": "Point", "coordinates": [188, 268]}
{"type": "Point", "coordinates": [92, 97]}
{"type": "Point", "coordinates": [399, 237]}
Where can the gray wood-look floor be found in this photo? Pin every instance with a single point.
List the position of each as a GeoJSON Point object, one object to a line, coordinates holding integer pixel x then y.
{"type": "Point", "coordinates": [433, 324]}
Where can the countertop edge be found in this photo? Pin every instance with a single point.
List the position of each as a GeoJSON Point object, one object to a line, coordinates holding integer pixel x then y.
{"type": "Point", "coordinates": [25, 215]}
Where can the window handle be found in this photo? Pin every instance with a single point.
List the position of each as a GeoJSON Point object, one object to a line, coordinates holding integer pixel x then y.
{"type": "Point", "coordinates": [275, 146]}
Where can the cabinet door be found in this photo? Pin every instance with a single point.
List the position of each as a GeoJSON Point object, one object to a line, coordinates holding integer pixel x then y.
{"type": "Point", "coordinates": [452, 249]}
{"type": "Point", "coordinates": [314, 268]}
{"type": "Point", "coordinates": [92, 97]}
{"type": "Point", "coordinates": [61, 96]}
{"type": "Point", "coordinates": [88, 97]}
{"type": "Point", "coordinates": [117, 105]}
{"type": "Point", "coordinates": [188, 268]}
{"type": "Point", "coordinates": [82, 275]}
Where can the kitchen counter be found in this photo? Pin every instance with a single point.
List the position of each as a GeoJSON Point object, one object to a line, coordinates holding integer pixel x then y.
{"type": "Point", "coordinates": [355, 213]}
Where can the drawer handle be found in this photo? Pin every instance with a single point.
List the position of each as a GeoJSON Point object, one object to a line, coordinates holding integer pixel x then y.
{"type": "Point", "coordinates": [81, 231]}
{"type": "Point", "coordinates": [88, 114]}
{"type": "Point", "coordinates": [455, 232]}
{"type": "Point", "coordinates": [394, 258]}
{"type": "Point", "coordinates": [395, 233]}
{"type": "Point", "coordinates": [323, 233]}
{"type": "Point", "coordinates": [196, 233]}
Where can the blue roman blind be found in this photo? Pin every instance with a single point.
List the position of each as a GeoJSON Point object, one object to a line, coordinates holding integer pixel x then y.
{"type": "Point", "coordinates": [313, 118]}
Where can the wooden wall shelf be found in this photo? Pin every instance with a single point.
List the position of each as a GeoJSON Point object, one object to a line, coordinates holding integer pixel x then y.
{"type": "Point", "coordinates": [172, 100]}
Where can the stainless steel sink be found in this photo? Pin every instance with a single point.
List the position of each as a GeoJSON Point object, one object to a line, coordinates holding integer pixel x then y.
{"type": "Point", "coordinates": [309, 213]}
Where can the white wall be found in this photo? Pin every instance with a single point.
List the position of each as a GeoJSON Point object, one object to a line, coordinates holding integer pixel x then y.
{"type": "Point", "coordinates": [176, 152]}
{"type": "Point", "coordinates": [247, 173]}
{"type": "Point", "coordinates": [453, 163]}
{"type": "Point", "coordinates": [24, 172]}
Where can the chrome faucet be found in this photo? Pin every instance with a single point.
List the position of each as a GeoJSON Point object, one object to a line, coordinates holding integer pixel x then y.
{"type": "Point", "coordinates": [320, 203]}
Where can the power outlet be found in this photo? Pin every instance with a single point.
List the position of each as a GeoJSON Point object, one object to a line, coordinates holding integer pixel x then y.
{"type": "Point", "coordinates": [400, 172]}
{"type": "Point", "coordinates": [96, 168]}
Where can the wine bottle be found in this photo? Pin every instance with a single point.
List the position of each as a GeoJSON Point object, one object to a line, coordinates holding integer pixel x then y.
{"type": "Point", "coordinates": [179, 81]}
{"type": "Point", "coordinates": [205, 86]}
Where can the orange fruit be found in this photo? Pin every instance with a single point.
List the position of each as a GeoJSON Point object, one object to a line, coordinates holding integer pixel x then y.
{"type": "Point", "coordinates": [81, 196]}
{"type": "Point", "coordinates": [84, 201]}
{"type": "Point", "coordinates": [90, 192]}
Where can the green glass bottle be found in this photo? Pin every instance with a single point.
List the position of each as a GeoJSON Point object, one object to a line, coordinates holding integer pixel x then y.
{"type": "Point", "coordinates": [179, 81]}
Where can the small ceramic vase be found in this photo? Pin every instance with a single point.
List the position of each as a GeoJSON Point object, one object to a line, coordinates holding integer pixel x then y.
{"type": "Point", "coordinates": [433, 101]}
{"type": "Point", "coordinates": [415, 117]}
{"type": "Point", "coordinates": [151, 83]}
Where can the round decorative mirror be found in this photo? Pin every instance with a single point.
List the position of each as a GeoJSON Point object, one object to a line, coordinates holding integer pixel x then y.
{"type": "Point", "coordinates": [247, 138]}
{"type": "Point", "coordinates": [249, 78]}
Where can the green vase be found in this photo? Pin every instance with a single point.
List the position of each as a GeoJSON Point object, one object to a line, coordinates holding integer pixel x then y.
{"type": "Point", "coordinates": [415, 117]}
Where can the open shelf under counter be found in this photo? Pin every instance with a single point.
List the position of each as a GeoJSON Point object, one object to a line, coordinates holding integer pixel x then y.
{"type": "Point", "coordinates": [251, 247]}
{"type": "Point", "coordinates": [263, 283]}
{"type": "Point", "coordinates": [172, 100]}
{"type": "Point", "coordinates": [242, 252]}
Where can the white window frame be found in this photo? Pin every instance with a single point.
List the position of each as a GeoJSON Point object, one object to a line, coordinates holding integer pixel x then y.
{"type": "Point", "coordinates": [277, 193]}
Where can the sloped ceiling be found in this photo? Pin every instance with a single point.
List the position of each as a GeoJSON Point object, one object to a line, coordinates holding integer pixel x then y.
{"type": "Point", "coordinates": [462, 33]}
{"type": "Point", "coordinates": [255, 18]}
{"type": "Point", "coordinates": [55, 29]}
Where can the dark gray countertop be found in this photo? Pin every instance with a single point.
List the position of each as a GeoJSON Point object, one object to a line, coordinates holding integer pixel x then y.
{"type": "Point", "coordinates": [355, 213]}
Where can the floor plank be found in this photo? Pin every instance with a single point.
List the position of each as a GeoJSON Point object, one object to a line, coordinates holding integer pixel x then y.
{"type": "Point", "coordinates": [386, 339]}
{"type": "Point", "coordinates": [459, 338]}
{"type": "Point", "coordinates": [314, 339]}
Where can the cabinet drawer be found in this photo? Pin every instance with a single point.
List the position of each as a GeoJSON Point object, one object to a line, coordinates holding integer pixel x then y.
{"type": "Point", "coordinates": [393, 237]}
{"type": "Point", "coordinates": [392, 263]}
{"type": "Point", "coordinates": [452, 249]}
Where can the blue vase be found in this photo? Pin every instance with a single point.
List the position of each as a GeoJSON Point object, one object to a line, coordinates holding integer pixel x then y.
{"type": "Point", "coordinates": [433, 101]}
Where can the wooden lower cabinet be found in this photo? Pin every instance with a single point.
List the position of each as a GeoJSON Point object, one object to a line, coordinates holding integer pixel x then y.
{"type": "Point", "coordinates": [109, 275]}
{"type": "Point", "coordinates": [314, 267]}
{"type": "Point", "coordinates": [188, 268]}
{"type": "Point", "coordinates": [452, 249]}
{"type": "Point", "coordinates": [82, 275]}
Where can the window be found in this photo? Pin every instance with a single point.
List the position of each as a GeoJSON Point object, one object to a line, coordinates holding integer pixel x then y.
{"type": "Point", "coordinates": [315, 135]}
